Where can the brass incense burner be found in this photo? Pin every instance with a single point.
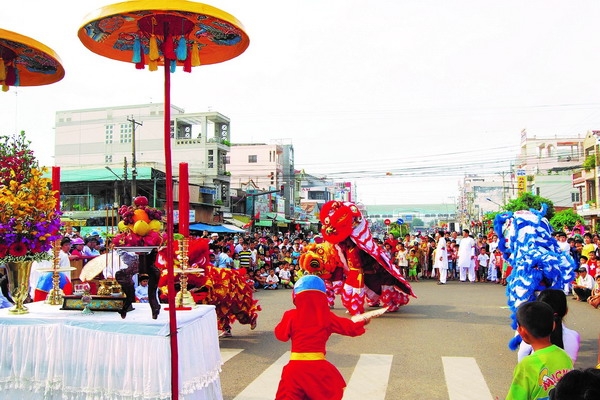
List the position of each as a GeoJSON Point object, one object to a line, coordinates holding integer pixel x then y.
{"type": "Point", "coordinates": [109, 287]}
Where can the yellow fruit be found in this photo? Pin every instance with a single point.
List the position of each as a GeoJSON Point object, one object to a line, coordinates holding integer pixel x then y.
{"type": "Point", "coordinates": [155, 225]}
{"type": "Point", "coordinates": [141, 228]}
{"type": "Point", "coordinates": [140, 215]}
{"type": "Point", "coordinates": [122, 226]}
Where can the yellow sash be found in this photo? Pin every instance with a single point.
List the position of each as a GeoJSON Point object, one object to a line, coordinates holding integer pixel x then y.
{"type": "Point", "coordinates": [307, 356]}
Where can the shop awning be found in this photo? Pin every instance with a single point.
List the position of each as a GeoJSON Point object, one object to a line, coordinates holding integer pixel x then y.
{"type": "Point", "coordinates": [263, 222]}
{"type": "Point", "coordinates": [215, 228]}
{"type": "Point", "coordinates": [278, 218]}
{"type": "Point", "coordinates": [102, 174]}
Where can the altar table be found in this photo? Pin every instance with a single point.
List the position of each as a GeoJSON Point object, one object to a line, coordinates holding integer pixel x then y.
{"type": "Point", "coordinates": [58, 354]}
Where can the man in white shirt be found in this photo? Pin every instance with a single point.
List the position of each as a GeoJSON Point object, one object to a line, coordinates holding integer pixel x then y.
{"type": "Point", "coordinates": [583, 285]}
{"type": "Point", "coordinates": [441, 257]}
{"type": "Point", "coordinates": [466, 255]}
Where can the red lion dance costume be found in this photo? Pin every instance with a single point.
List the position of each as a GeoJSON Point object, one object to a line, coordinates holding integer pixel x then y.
{"type": "Point", "coordinates": [368, 270]}
{"type": "Point", "coordinates": [226, 289]}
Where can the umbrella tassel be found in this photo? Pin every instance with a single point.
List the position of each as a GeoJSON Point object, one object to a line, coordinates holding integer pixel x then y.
{"type": "Point", "coordinates": [182, 49]}
{"type": "Point", "coordinates": [4, 87]}
{"type": "Point", "coordinates": [195, 55]}
{"type": "Point", "coordinates": [173, 66]}
{"type": "Point", "coordinates": [168, 48]}
{"type": "Point", "coordinates": [187, 64]}
{"type": "Point", "coordinates": [142, 62]}
{"type": "Point", "coordinates": [153, 65]}
{"type": "Point", "coordinates": [2, 70]}
{"type": "Point", "coordinates": [11, 76]}
{"type": "Point", "coordinates": [153, 54]}
{"type": "Point", "coordinates": [137, 50]}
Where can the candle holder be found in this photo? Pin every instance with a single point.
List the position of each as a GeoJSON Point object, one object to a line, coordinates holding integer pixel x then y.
{"type": "Point", "coordinates": [55, 296]}
{"type": "Point", "coordinates": [183, 298]}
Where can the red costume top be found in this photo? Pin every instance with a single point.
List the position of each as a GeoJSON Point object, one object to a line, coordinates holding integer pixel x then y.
{"type": "Point", "coordinates": [308, 375]}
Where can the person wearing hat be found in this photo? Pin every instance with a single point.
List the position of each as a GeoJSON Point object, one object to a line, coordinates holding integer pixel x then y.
{"type": "Point", "coordinates": [77, 248]}
{"type": "Point", "coordinates": [583, 285]}
{"type": "Point", "coordinates": [308, 375]}
{"type": "Point", "coordinates": [90, 249]}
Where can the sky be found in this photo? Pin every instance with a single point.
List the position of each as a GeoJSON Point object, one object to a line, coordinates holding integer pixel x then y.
{"type": "Point", "coordinates": [400, 97]}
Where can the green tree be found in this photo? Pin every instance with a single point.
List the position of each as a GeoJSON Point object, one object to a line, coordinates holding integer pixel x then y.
{"type": "Point", "coordinates": [566, 218]}
{"type": "Point", "coordinates": [527, 201]}
{"type": "Point", "coordinates": [418, 222]}
{"type": "Point", "coordinates": [398, 230]}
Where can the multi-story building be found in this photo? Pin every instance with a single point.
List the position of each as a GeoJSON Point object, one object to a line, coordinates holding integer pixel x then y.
{"type": "Point", "coordinates": [101, 147]}
{"type": "Point", "coordinates": [549, 164]}
{"type": "Point", "coordinates": [268, 168]}
{"type": "Point", "coordinates": [479, 195]}
{"type": "Point", "coordinates": [585, 181]}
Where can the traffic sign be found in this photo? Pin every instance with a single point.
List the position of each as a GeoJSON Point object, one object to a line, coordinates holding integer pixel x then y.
{"type": "Point", "coordinates": [387, 221]}
{"type": "Point", "coordinates": [399, 221]}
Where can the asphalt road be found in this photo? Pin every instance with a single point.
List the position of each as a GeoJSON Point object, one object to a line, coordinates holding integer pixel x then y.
{"type": "Point", "coordinates": [462, 320]}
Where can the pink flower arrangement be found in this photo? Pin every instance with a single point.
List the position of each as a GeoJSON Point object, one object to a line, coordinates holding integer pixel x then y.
{"type": "Point", "coordinates": [29, 221]}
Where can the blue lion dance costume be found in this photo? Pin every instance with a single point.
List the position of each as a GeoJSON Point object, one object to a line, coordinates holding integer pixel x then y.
{"type": "Point", "coordinates": [525, 239]}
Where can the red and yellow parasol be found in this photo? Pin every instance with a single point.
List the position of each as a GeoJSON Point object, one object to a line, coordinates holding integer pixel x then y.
{"type": "Point", "coordinates": [169, 33]}
{"type": "Point", "coordinates": [147, 32]}
{"type": "Point", "coordinates": [27, 62]}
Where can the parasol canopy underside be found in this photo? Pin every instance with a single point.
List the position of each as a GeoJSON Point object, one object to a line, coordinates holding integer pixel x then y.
{"type": "Point", "coordinates": [28, 62]}
{"type": "Point", "coordinates": [113, 30]}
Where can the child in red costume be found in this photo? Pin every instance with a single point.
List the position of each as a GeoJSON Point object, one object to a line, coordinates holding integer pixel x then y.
{"type": "Point", "coordinates": [309, 375]}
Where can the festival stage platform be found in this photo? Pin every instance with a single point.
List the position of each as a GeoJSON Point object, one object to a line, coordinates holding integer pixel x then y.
{"type": "Point", "coordinates": [57, 354]}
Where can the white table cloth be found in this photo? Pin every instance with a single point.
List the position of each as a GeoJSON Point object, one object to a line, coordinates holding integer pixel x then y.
{"type": "Point", "coordinates": [55, 354]}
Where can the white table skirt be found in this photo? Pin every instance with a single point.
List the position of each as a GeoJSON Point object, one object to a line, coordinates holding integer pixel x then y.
{"type": "Point", "coordinates": [55, 354]}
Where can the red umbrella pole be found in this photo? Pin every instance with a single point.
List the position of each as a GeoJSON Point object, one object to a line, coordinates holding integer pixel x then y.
{"type": "Point", "coordinates": [170, 253]}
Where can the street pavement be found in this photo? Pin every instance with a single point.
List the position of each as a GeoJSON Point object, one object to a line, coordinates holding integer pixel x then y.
{"type": "Point", "coordinates": [449, 343]}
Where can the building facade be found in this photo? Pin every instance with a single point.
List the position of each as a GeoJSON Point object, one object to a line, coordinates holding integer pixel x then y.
{"type": "Point", "coordinates": [113, 144]}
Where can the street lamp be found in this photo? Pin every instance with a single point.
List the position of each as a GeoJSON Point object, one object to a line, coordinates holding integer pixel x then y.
{"type": "Point", "coordinates": [492, 201]}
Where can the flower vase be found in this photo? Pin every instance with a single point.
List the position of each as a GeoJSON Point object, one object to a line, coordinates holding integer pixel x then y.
{"type": "Point", "coordinates": [18, 277]}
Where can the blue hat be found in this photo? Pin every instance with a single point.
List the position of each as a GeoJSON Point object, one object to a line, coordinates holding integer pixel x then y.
{"type": "Point", "coordinates": [309, 282]}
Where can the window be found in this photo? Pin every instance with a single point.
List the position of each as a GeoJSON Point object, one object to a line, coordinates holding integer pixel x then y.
{"type": "Point", "coordinates": [108, 158]}
{"type": "Point", "coordinates": [108, 134]}
{"type": "Point", "coordinates": [210, 159]}
{"type": "Point", "coordinates": [253, 159]}
{"type": "Point", "coordinates": [126, 134]}
{"type": "Point", "coordinates": [575, 197]}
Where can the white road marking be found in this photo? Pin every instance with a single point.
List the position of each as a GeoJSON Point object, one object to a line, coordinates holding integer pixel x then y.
{"type": "Point", "coordinates": [265, 385]}
{"type": "Point", "coordinates": [228, 354]}
{"type": "Point", "coordinates": [370, 377]}
{"type": "Point", "coordinates": [464, 379]}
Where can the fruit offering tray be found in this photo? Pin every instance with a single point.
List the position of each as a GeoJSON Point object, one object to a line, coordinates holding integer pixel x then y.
{"type": "Point", "coordinates": [98, 303]}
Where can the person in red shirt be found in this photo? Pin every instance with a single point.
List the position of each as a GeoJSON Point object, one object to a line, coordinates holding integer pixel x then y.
{"type": "Point", "coordinates": [309, 375]}
{"type": "Point", "coordinates": [592, 265]}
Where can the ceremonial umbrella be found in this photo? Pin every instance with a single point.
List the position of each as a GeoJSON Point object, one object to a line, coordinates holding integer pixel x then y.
{"type": "Point", "coordinates": [27, 62]}
{"type": "Point", "coordinates": [170, 33]}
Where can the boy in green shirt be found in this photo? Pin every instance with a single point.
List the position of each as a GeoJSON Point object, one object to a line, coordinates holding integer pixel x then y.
{"type": "Point", "coordinates": [538, 373]}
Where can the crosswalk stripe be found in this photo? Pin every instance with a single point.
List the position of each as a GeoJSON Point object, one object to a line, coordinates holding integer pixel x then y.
{"type": "Point", "coordinates": [228, 354]}
{"type": "Point", "coordinates": [464, 379]}
{"type": "Point", "coordinates": [265, 386]}
{"type": "Point", "coordinates": [369, 380]}
{"type": "Point", "coordinates": [370, 377]}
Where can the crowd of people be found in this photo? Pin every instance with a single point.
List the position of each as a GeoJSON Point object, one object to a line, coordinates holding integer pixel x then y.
{"type": "Point", "coordinates": [271, 262]}
{"type": "Point", "coordinates": [476, 258]}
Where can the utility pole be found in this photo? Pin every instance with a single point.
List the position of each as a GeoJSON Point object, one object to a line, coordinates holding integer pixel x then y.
{"type": "Point", "coordinates": [133, 160]}
{"type": "Point", "coordinates": [126, 199]}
